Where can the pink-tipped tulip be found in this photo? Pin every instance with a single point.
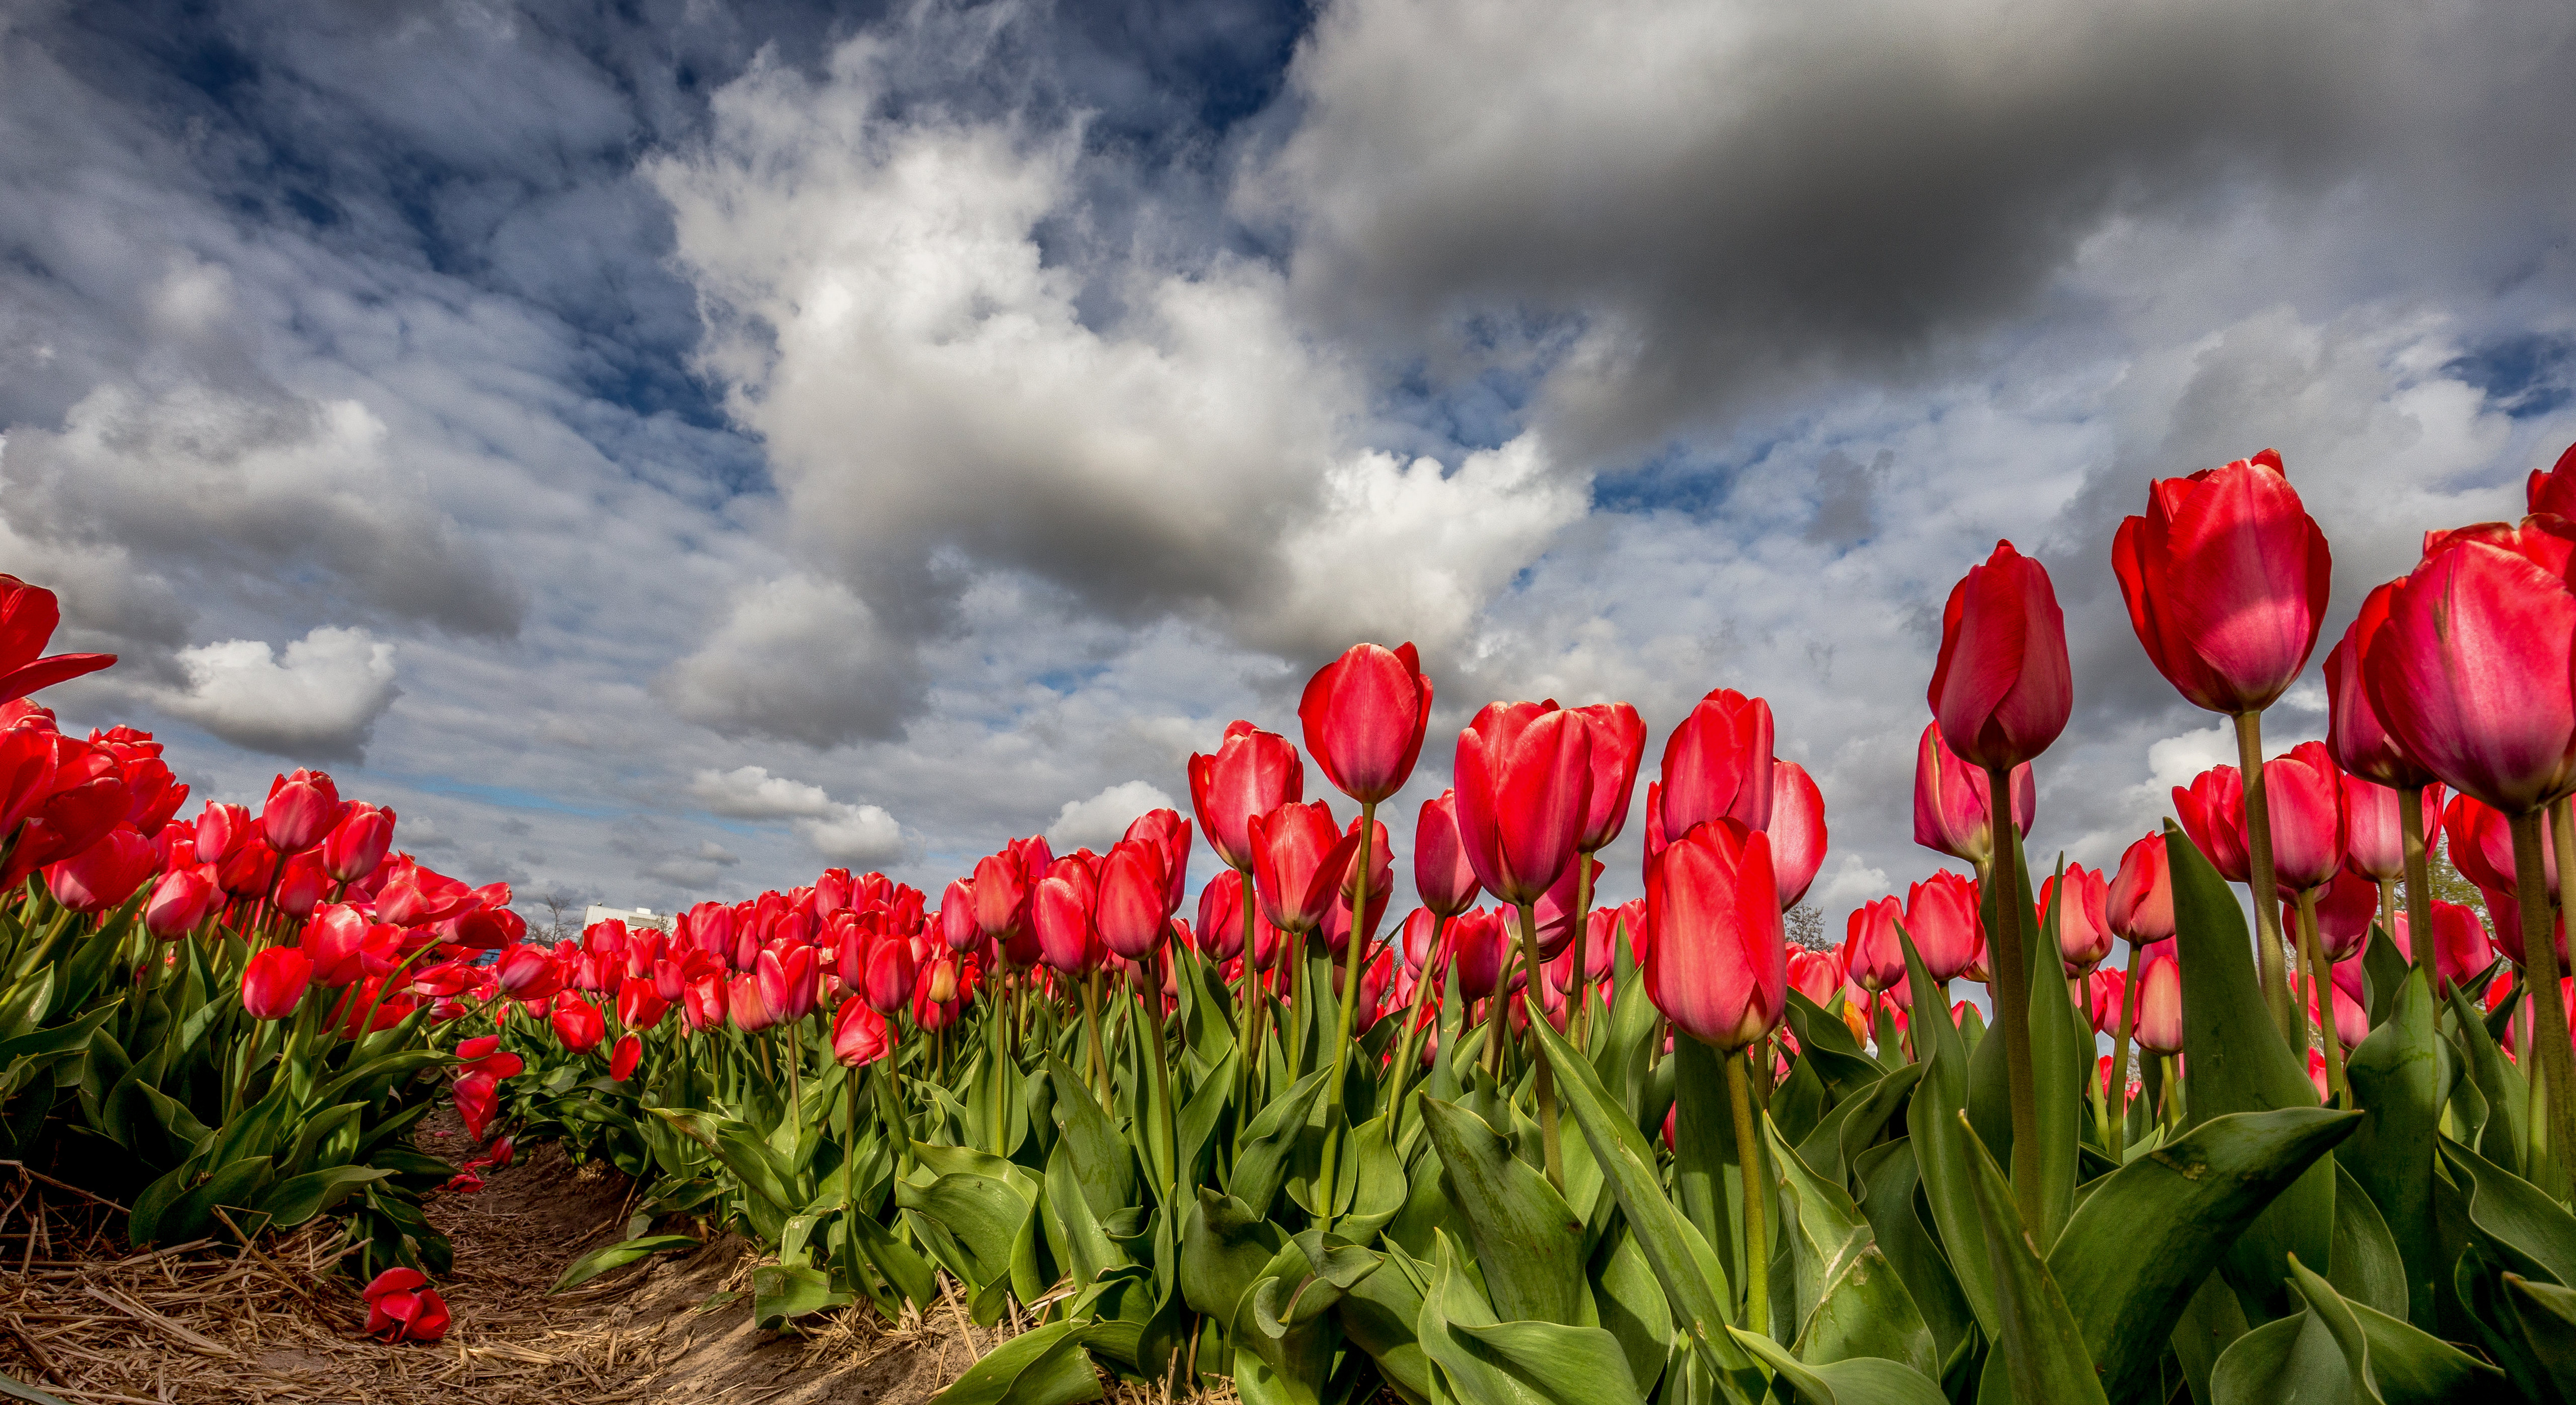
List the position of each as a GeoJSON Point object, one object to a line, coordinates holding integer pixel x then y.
{"type": "Point", "coordinates": [1717, 765]}
{"type": "Point", "coordinates": [1951, 811]}
{"type": "Point", "coordinates": [1941, 915]}
{"type": "Point", "coordinates": [302, 809]}
{"type": "Point", "coordinates": [2471, 671]}
{"type": "Point", "coordinates": [859, 1035]}
{"type": "Point", "coordinates": [274, 982]}
{"type": "Point", "coordinates": [2160, 1003]}
{"type": "Point", "coordinates": [2139, 902]}
{"type": "Point", "coordinates": [1718, 966]}
{"type": "Point", "coordinates": [2226, 579]}
{"type": "Point", "coordinates": [1252, 772]}
{"type": "Point", "coordinates": [2002, 689]}
{"type": "Point", "coordinates": [2304, 795]}
{"type": "Point", "coordinates": [1442, 876]}
{"type": "Point", "coordinates": [1797, 830]}
{"type": "Point", "coordinates": [105, 874]}
{"type": "Point", "coordinates": [2083, 921]}
{"type": "Point", "coordinates": [1872, 957]}
{"type": "Point", "coordinates": [2212, 811]}
{"type": "Point", "coordinates": [358, 842]}
{"type": "Point", "coordinates": [1364, 714]}
{"type": "Point", "coordinates": [1524, 776]}
{"type": "Point", "coordinates": [1618, 749]}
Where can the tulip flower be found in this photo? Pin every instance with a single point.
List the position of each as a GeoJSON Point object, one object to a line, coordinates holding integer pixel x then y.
{"type": "Point", "coordinates": [1220, 926]}
{"type": "Point", "coordinates": [1133, 908]}
{"type": "Point", "coordinates": [1717, 765]}
{"type": "Point", "coordinates": [2553, 490]}
{"type": "Point", "coordinates": [1952, 814]}
{"type": "Point", "coordinates": [1815, 974]}
{"type": "Point", "coordinates": [2105, 993]}
{"type": "Point", "coordinates": [1481, 943]}
{"type": "Point", "coordinates": [1618, 749]}
{"type": "Point", "coordinates": [2226, 580]}
{"type": "Point", "coordinates": [1252, 772]}
{"type": "Point", "coordinates": [2374, 831]}
{"type": "Point", "coordinates": [29, 615]}
{"type": "Point", "coordinates": [476, 1096]}
{"type": "Point", "coordinates": [705, 1003]}
{"type": "Point", "coordinates": [2212, 811]}
{"type": "Point", "coordinates": [2083, 924]}
{"type": "Point", "coordinates": [1169, 835]}
{"type": "Point", "coordinates": [2002, 689]}
{"type": "Point", "coordinates": [1719, 961]}
{"type": "Point", "coordinates": [2159, 1019]}
{"type": "Point", "coordinates": [221, 831]}
{"type": "Point", "coordinates": [1442, 875]}
{"type": "Point", "coordinates": [274, 982]}
{"type": "Point", "coordinates": [2462, 949]}
{"type": "Point", "coordinates": [1942, 916]}
{"type": "Point", "coordinates": [1871, 956]}
{"type": "Point", "coordinates": [2139, 903]}
{"type": "Point", "coordinates": [1293, 847]}
{"type": "Point", "coordinates": [641, 1004]}
{"type": "Point", "coordinates": [1524, 774]}
{"type": "Point", "coordinates": [1061, 910]}
{"type": "Point", "coordinates": [301, 884]}
{"type": "Point", "coordinates": [1797, 830]}
{"type": "Point", "coordinates": [578, 1025]}
{"type": "Point", "coordinates": [484, 1054]}
{"type": "Point", "coordinates": [1364, 715]}
{"type": "Point", "coordinates": [888, 979]}
{"type": "Point", "coordinates": [358, 843]}
{"type": "Point", "coordinates": [302, 809]}
{"type": "Point", "coordinates": [623, 1058]}
{"type": "Point", "coordinates": [1000, 891]}
{"type": "Point", "coordinates": [402, 1307]}
{"type": "Point", "coordinates": [2305, 793]}
{"type": "Point", "coordinates": [2345, 909]}
{"type": "Point", "coordinates": [528, 973]}
{"type": "Point", "coordinates": [787, 981]}
{"type": "Point", "coordinates": [105, 874]}
{"type": "Point", "coordinates": [1420, 938]}
{"type": "Point", "coordinates": [179, 901]}
{"type": "Point", "coordinates": [859, 1035]}
{"type": "Point", "coordinates": [957, 925]}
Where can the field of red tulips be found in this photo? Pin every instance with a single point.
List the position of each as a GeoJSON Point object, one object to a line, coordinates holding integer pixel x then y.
{"type": "Point", "coordinates": [1513, 1145]}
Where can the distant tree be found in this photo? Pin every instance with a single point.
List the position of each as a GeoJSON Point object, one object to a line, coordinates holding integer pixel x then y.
{"type": "Point", "coordinates": [1806, 925]}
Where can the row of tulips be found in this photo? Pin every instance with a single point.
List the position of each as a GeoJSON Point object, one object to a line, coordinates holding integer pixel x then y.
{"type": "Point", "coordinates": [1537, 1149]}
{"type": "Point", "coordinates": [225, 1023]}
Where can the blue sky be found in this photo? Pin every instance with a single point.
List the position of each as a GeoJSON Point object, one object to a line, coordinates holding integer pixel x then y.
{"type": "Point", "coordinates": [664, 450]}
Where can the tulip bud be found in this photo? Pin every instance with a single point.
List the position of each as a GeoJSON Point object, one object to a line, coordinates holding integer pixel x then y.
{"type": "Point", "coordinates": [1442, 875]}
{"type": "Point", "coordinates": [1618, 749]}
{"type": "Point", "coordinates": [1951, 810]}
{"type": "Point", "coordinates": [1292, 847]}
{"type": "Point", "coordinates": [1129, 909]}
{"type": "Point", "coordinates": [957, 924]}
{"type": "Point", "coordinates": [301, 884]}
{"type": "Point", "coordinates": [2212, 811]}
{"type": "Point", "coordinates": [1220, 928]}
{"type": "Point", "coordinates": [274, 982]}
{"type": "Point", "coordinates": [1871, 954]}
{"type": "Point", "coordinates": [1717, 765]}
{"type": "Point", "coordinates": [1942, 915]}
{"type": "Point", "coordinates": [1481, 942]}
{"type": "Point", "coordinates": [2304, 796]}
{"type": "Point", "coordinates": [2160, 1003]}
{"type": "Point", "coordinates": [1364, 715]}
{"type": "Point", "coordinates": [2083, 929]}
{"type": "Point", "coordinates": [2002, 689]}
{"type": "Point", "coordinates": [2226, 580]}
{"type": "Point", "coordinates": [623, 1059]}
{"type": "Point", "coordinates": [2139, 905]}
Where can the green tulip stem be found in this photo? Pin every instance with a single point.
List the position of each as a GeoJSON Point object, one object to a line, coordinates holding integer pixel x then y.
{"type": "Point", "coordinates": [1247, 1007]}
{"type": "Point", "coordinates": [2269, 962]}
{"type": "Point", "coordinates": [996, 1024]}
{"type": "Point", "coordinates": [1091, 1032]}
{"type": "Point", "coordinates": [850, 1151]}
{"type": "Point", "coordinates": [890, 1111]}
{"type": "Point", "coordinates": [794, 1056]}
{"type": "Point", "coordinates": [2009, 966]}
{"type": "Point", "coordinates": [1578, 1020]}
{"type": "Point", "coordinates": [1411, 1054]}
{"type": "Point", "coordinates": [1167, 1135]}
{"type": "Point", "coordinates": [1546, 1088]}
{"type": "Point", "coordinates": [1354, 962]}
{"type": "Point", "coordinates": [2419, 887]}
{"type": "Point", "coordinates": [1757, 1232]}
{"type": "Point", "coordinates": [2321, 989]}
{"type": "Point", "coordinates": [2548, 1010]}
{"type": "Point", "coordinates": [2117, 1095]}
{"type": "Point", "coordinates": [1292, 1039]}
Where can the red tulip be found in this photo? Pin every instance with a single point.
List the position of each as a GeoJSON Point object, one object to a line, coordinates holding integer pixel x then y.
{"type": "Point", "coordinates": [335, 938]}
{"type": "Point", "coordinates": [402, 1307]}
{"type": "Point", "coordinates": [2355, 736]}
{"type": "Point", "coordinates": [2461, 950]}
{"type": "Point", "coordinates": [1133, 909]}
{"type": "Point", "coordinates": [1951, 813]}
{"type": "Point", "coordinates": [641, 1004]}
{"type": "Point", "coordinates": [860, 1035]}
{"type": "Point", "coordinates": [1252, 772]}
{"type": "Point", "coordinates": [2002, 689]}
{"type": "Point", "coordinates": [1364, 714]}
{"type": "Point", "coordinates": [1482, 943]}
{"type": "Point", "coordinates": [1871, 956]}
{"type": "Point", "coordinates": [358, 843]}
{"type": "Point", "coordinates": [26, 774]}
{"type": "Point", "coordinates": [2374, 836]}
{"type": "Point", "coordinates": [957, 925]}
{"type": "Point", "coordinates": [1719, 964]}
{"type": "Point", "coordinates": [1295, 853]}
{"type": "Point", "coordinates": [1221, 915]}
{"type": "Point", "coordinates": [1941, 915]}
{"type": "Point", "coordinates": [2481, 847]}
{"type": "Point", "coordinates": [28, 617]}
{"type": "Point", "coordinates": [787, 981]}
{"type": "Point", "coordinates": [2212, 811]}
{"type": "Point", "coordinates": [274, 982]}
{"type": "Point", "coordinates": [578, 1024]}
{"type": "Point", "coordinates": [2303, 792]}
{"type": "Point", "coordinates": [179, 902]}
{"type": "Point", "coordinates": [1814, 974]}
{"type": "Point", "coordinates": [1600, 932]}
{"type": "Point", "coordinates": [1374, 980]}
{"type": "Point", "coordinates": [2554, 491]}
{"type": "Point", "coordinates": [2139, 903]}
{"type": "Point", "coordinates": [1169, 835]}
{"type": "Point", "coordinates": [1420, 932]}
{"type": "Point", "coordinates": [485, 1055]}
{"type": "Point", "coordinates": [623, 1059]}
{"type": "Point", "coordinates": [105, 874]}
{"type": "Point", "coordinates": [1618, 748]}
{"type": "Point", "coordinates": [1717, 765]}
{"type": "Point", "coordinates": [1001, 894]}
{"type": "Point", "coordinates": [2083, 925]}
{"type": "Point", "coordinates": [2471, 671]}
{"type": "Point", "coordinates": [705, 1002]}
{"type": "Point", "coordinates": [1442, 874]}
{"type": "Point", "coordinates": [528, 973]}
{"type": "Point", "coordinates": [748, 1005]}
{"type": "Point", "coordinates": [301, 811]}
{"type": "Point", "coordinates": [1797, 830]}
{"type": "Point", "coordinates": [2160, 1003]}
{"type": "Point", "coordinates": [2346, 911]}
{"type": "Point", "coordinates": [888, 980]}
{"type": "Point", "coordinates": [1062, 912]}
{"type": "Point", "coordinates": [2226, 578]}
{"type": "Point", "coordinates": [301, 884]}
{"type": "Point", "coordinates": [476, 1095]}
{"type": "Point", "coordinates": [221, 831]}
{"type": "Point", "coordinates": [1524, 776]}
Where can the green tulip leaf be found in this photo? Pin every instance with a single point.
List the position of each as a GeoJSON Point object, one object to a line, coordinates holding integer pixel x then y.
{"type": "Point", "coordinates": [2518, 1218]}
{"type": "Point", "coordinates": [1043, 1367]}
{"type": "Point", "coordinates": [1941, 1151]}
{"type": "Point", "coordinates": [1862, 1380]}
{"type": "Point", "coordinates": [1378, 1315]}
{"type": "Point", "coordinates": [2368, 1267]}
{"type": "Point", "coordinates": [1528, 1245]}
{"type": "Point", "coordinates": [1101, 1161]}
{"type": "Point", "coordinates": [2388, 1360]}
{"type": "Point", "coordinates": [2042, 1345]}
{"type": "Point", "coordinates": [1224, 1248]}
{"type": "Point", "coordinates": [1850, 1300]}
{"type": "Point", "coordinates": [2396, 1078]}
{"type": "Point", "coordinates": [2498, 1083]}
{"type": "Point", "coordinates": [2237, 1062]}
{"type": "Point", "coordinates": [2546, 1315]}
{"type": "Point", "coordinates": [1855, 1122]}
{"type": "Point", "coordinates": [619, 1255]}
{"type": "Point", "coordinates": [297, 1199]}
{"type": "Point", "coordinates": [1261, 1165]}
{"type": "Point", "coordinates": [1491, 1362]}
{"type": "Point", "coordinates": [1890, 1183]}
{"type": "Point", "coordinates": [2289, 1359]}
{"type": "Point", "coordinates": [1630, 1306]}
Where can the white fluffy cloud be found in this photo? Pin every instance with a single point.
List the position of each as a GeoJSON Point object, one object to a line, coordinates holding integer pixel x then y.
{"type": "Point", "coordinates": [865, 835]}
{"type": "Point", "coordinates": [317, 700]}
{"type": "Point", "coordinates": [858, 836]}
{"type": "Point", "coordinates": [1097, 821]}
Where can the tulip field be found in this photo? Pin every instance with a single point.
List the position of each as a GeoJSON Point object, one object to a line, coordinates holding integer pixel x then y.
{"type": "Point", "coordinates": [1341, 1122]}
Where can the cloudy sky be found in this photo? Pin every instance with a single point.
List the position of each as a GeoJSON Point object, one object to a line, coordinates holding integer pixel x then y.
{"type": "Point", "coordinates": [665, 452]}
